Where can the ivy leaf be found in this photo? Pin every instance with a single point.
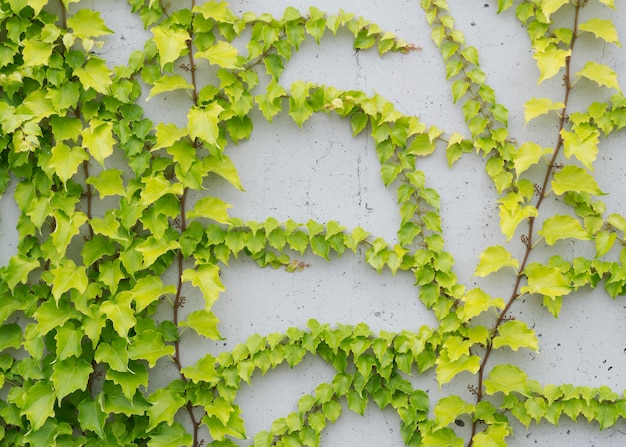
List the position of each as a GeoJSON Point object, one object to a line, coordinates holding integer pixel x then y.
{"type": "Point", "coordinates": [582, 144]}
{"type": "Point", "coordinates": [546, 280]}
{"type": "Point", "coordinates": [114, 354]}
{"type": "Point", "coordinates": [65, 160]}
{"type": "Point", "coordinates": [65, 96]}
{"type": "Point", "coordinates": [561, 227]}
{"type": "Point", "coordinates": [108, 183]}
{"type": "Point", "coordinates": [602, 29]}
{"type": "Point", "coordinates": [18, 269]}
{"type": "Point", "coordinates": [222, 54]}
{"type": "Point", "coordinates": [539, 106]}
{"type": "Point", "coordinates": [91, 417]}
{"type": "Point", "coordinates": [202, 371]}
{"type": "Point", "coordinates": [492, 437]}
{"type": "Point", "coordinates": [152, 248]}
{"type": "Point", "coordinates": [450, 408]}
{"type": "Point", "coordinates": [167, 134]}
{"type": "Point", "coordinates": [148, 290]}
{"type": "Point", "coordinates": [447, 369]}
{"type": "Point", "coordinates": [51, 315]}
{"type": "Point", "coordinates": [604, 242]}
{"type": "Point", "coordinates": [476, 302]}
{"type": "Point", "coordinates": [168, 84]}
{"type": "Point", "coordinates": [70, 375]}
{"type": "Point", "coordinates": [550, 61]}
{"type": "Point", "coordinates": [210, 208]}
{"type": "Point", "coordinates": [165, 404]}
{"type": "Point", "coordinates": [166, 436]}
{"type": "Point", "coordinates": [98, 138]}
{"type": "Point", "coordinates": [156, 187]}
{"type": "Point", "coordinates": [68, 276]}
{"type": "Point", "coordinates": [506, 379]}
{"type": "Point", "coordinates": [573, 178]}
{"type": "Point", "coordinates": [38, 404]}
{"type": "Point", "coordinates": [516, 334]}
{"type": "Point", "coordinates": [149, 345]}
{"type": "Point", "coordinates": [121, 315]}
{"type": "Point", "coordinates": [444, 437]}
{"type": "Point", "coordinates": [511, 218]}
{"type": "Point", "coordinates": [601, 74]}
{"type": "Point", "coordinates": [96, 75]}
{"type": "Point", "coordinates": [493, 259]}
{"type": "Point", "coordinates": [203, 122]}
{"type": "Point", "coordinates": [87, 23]}
{"type": "Point", "coordinates": [549, 7]}
{"type": "Point", "coordinates": [204, 322]}
{"type": "Point", "coordinates": [10, 336]}
{"type": "Point", "coordinates": [170, 43]}
{"type": "Point", "coordinates": [223, 167]}
{"type": "Point", "coordinates": [206, 277]}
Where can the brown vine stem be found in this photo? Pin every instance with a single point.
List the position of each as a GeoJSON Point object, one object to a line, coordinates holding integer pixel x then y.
{"type": "Point", "coordinates": [179, 299]}
{"type": "Point", "coordinates": [528, 241]}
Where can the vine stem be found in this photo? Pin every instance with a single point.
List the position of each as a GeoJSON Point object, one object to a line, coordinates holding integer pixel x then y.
{"type": "Point", "coordinates": [528, 241]}
{"type": "Point", "coordinates": [179, 299]}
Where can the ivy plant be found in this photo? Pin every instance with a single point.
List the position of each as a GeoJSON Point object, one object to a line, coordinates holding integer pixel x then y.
{"type": "Point", "coordinates": [79, 341]}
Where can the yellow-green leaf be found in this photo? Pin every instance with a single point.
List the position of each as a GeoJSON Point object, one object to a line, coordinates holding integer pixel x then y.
{"type": "Point", "coordinates": [222, 54]}
{"type": "Point", "coordinates": [573, 178]}
{"type": "Point", "coordinates": [550, 61]}
{"type": "Point", "coordinates": [602, 29]}
{"type": "Point", "coordinates": [561, 227]}
{"type": "Point", "coordinates": [87, 23]}
{"type": "Point", "coordinates": [169, 84]}
{"type": "Point", "coordinates": [511, 218]}
{"type": "Point", "coordinates": [210, 208]}
{"type": "Point", "coordinates": [65, 160]}
{"type": "Point", "coordinates": [68, 276]}
{"type": "Point", "coordinates": [171, 43]}
{"type": "Point", "coordinates": [96, 75]}
{"type": "Point", "coordinates": [582, 144]}
{"type": "Point", "coordinates": [506, 379]}
{"type": "Point", "coordinates": [450, 408]}
{"type": "Point", "coordinates": [546, 280]}
{"type": "Point", "coordinates": [203, 122]}
{"type": "Point", "coordinates": [516, 334]}
{"type": "Point", "coordinates": [528, 154]}
{"type": "Point", "coordinates": [206, 277]}
{"type": "Point", "coordinates": [204, 322]}
{"type": "Point", "coordinates": [476, 302]}
{"type": "Point", "coordinates": [493, 259]}
{"type": "Point", "coordinates": [108, 183]}
{"type": "Point", "coordinates": [98, 138]}
{"type": "Point", "coordinates": [539, 106]}
{"type": "Point", "coordinates": [549, 7]}
{"type": "Point", "coordinates": [152, 248]}
{"type": "Point", "coordinates": [601, 74]}
{"type": "Point", "coordinates": [224, 167]}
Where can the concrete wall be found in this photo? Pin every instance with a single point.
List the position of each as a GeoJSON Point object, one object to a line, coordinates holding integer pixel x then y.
{"type": "Point", "coordinates": [321, 172]}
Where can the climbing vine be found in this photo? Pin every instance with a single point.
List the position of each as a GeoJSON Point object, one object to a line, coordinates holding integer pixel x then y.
{"type": "Point", "coordinates": [79, 340]}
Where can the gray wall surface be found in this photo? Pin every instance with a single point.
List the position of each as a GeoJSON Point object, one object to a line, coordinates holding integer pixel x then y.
{"type": "Point", "coordinates": [321, 172]}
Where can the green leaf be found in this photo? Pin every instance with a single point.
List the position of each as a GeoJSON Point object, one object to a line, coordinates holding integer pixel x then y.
{"type": "Point", "coordinates": [166, 436]}
{"type": "Point", "coordinates": [96, 75]}
{"type": "Point", "coordinates": [210, 208]}
{"type": "Point", "coordinates": [440, 438]}
{"type": "Point", "coordinates": [573, 178]}
{"type": "Point", "coordinates": [515, 334]}
{"type": "Point", "coordinates": [492, 437]}
{"type": "Point", "coordinates": [225, 168]}
{"type": "Point", "coordinates": [98, 138]}
{"type": "Point", "coordinates": [167, 134]}
{"type": "Point", "coordinates": [207, 278]}
{"type": "Point", "coordinates": [601, 74]}
{"type": "Point", "coordinates": [156, 187]}
{"type": "Point", "coordinates": [202, 371]}
{"type": "Point", "coordinates": [165, 404]}
{"type": "Point", "coordinates": [204, 322]}
{"type": "Point", "coordinates": [65, 96]}
{"type": "Point", "coordinates": [38, 404]}
{"type": "Point", "coordinates": [108, 183]}
{"type": "Point", "coordinates": [203, 122]}
{"type": "Point", "coordinates": [152, 248]}
{"type": "Point", "coordinates": [114, 354]}
{"type": "Point", "coordinates": [148, 290]}
{"type": "Point", "coordinates": [539, 106]}
{"type": "Point", "coordinates": [68, 276]}
{"type": "Point", "coordinates": [450, 408]}
{"type": "Point", "coordinates": [447, 369]}
{"type": "Point", "coordinates": [604, 242]}
{"type": "Point", "coordinates": [561, 227]}
{"type": "Point", "coordinates": [549, 7]}
{"type": "Point", "coordinates": [10, 336]}
{"type": "Point", "coordinates": [149, 345]}
{"type": "Point", "coordinates": [511, 218]}
{"type": "Point", "coordinates": [493, 259]}
{"type": "Point", "coordinates": [121, 315]}
{"type": "Point", "coordinates": [91, 417]}
{"type": "Point", "coordinates": [18, 269]}
{"type": "Point", "coordinates": [222, 54]}
{"type": "Point", "coordinates": [602, 29]}
{"type": "Point", "coordinates": [36, 52]}
{"type": "Point", "coordinates": [170, 42]}
{"type": "Point", "coordinates": [506, 379]}
{"type": "Point", "coordinates": [582, 144]}
{"type": "Point", "coordinates": [550, 61]}
{"type": "Point", "coordinates": [476, 302]}
{"type": "Point", "coordinates": [70, 375]}
{"type": "Point", "coordinates": [168, 83]}
{"type": "Point", "coordinates": [65, 160]}
{"type": "Point", "coordinates": [546, 280]}
{"type": "Point", "coordinates": [87, 23]}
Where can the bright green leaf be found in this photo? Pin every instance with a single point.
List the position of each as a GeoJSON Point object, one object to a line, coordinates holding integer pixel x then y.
{"type": "Point", "coordinates": [65, 160]}
{"type": "Point", "coordinates": [450, 408]}
{"type": "Point", "coordinates": [601, 74]}
{"type": "Point", "coordinates": [561, 227]}
{"type": "Point", "coordinates": [95, 74]}
{"type": "Point", "coordinates": [573, 178]}
{"type": "Point", "coordinates": [515, 334]}
{"type": "Point", "coordinates": [550, 61]}
{"type": "Point", "coordinates": [203, 122]}
{"type": "Point", "coordinates": [210, 208]}
{"type": "Point", "coordinates": [169, 83]}
{"type": "Point", "coordinates": [222, 54]}
{"type": "Point", "coordinates": [98, 138]}
{"type": "Point", "coordinates": [70, 375]}
{"type": "Point", "coordinates": [87, 23]}
{"type": "Point", "coordinates": [549, 7]}
{"type": "Point", "coordinates": [206, 277]}
{"type": "Point", "coordinates": [476, 302]}
{"type": "Point", "coordinates": [602, 29]}
{"type": "Point", "coordinates": [165, 404]}
{"type": "Point", "coordinates": [204, 322]}
{"type": "Point", "coordinates": [108, 183]}
{"type": "Point", "coordinates": [506, 379]}
{"type": "Point", "coordinates": [546, 280]}
{"type": "Point", "coordinates": [493, 259]}
{"type": "Point", "coordinates": [539, 106]}
{"type": "Point", "coordinates": [170, 42]}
